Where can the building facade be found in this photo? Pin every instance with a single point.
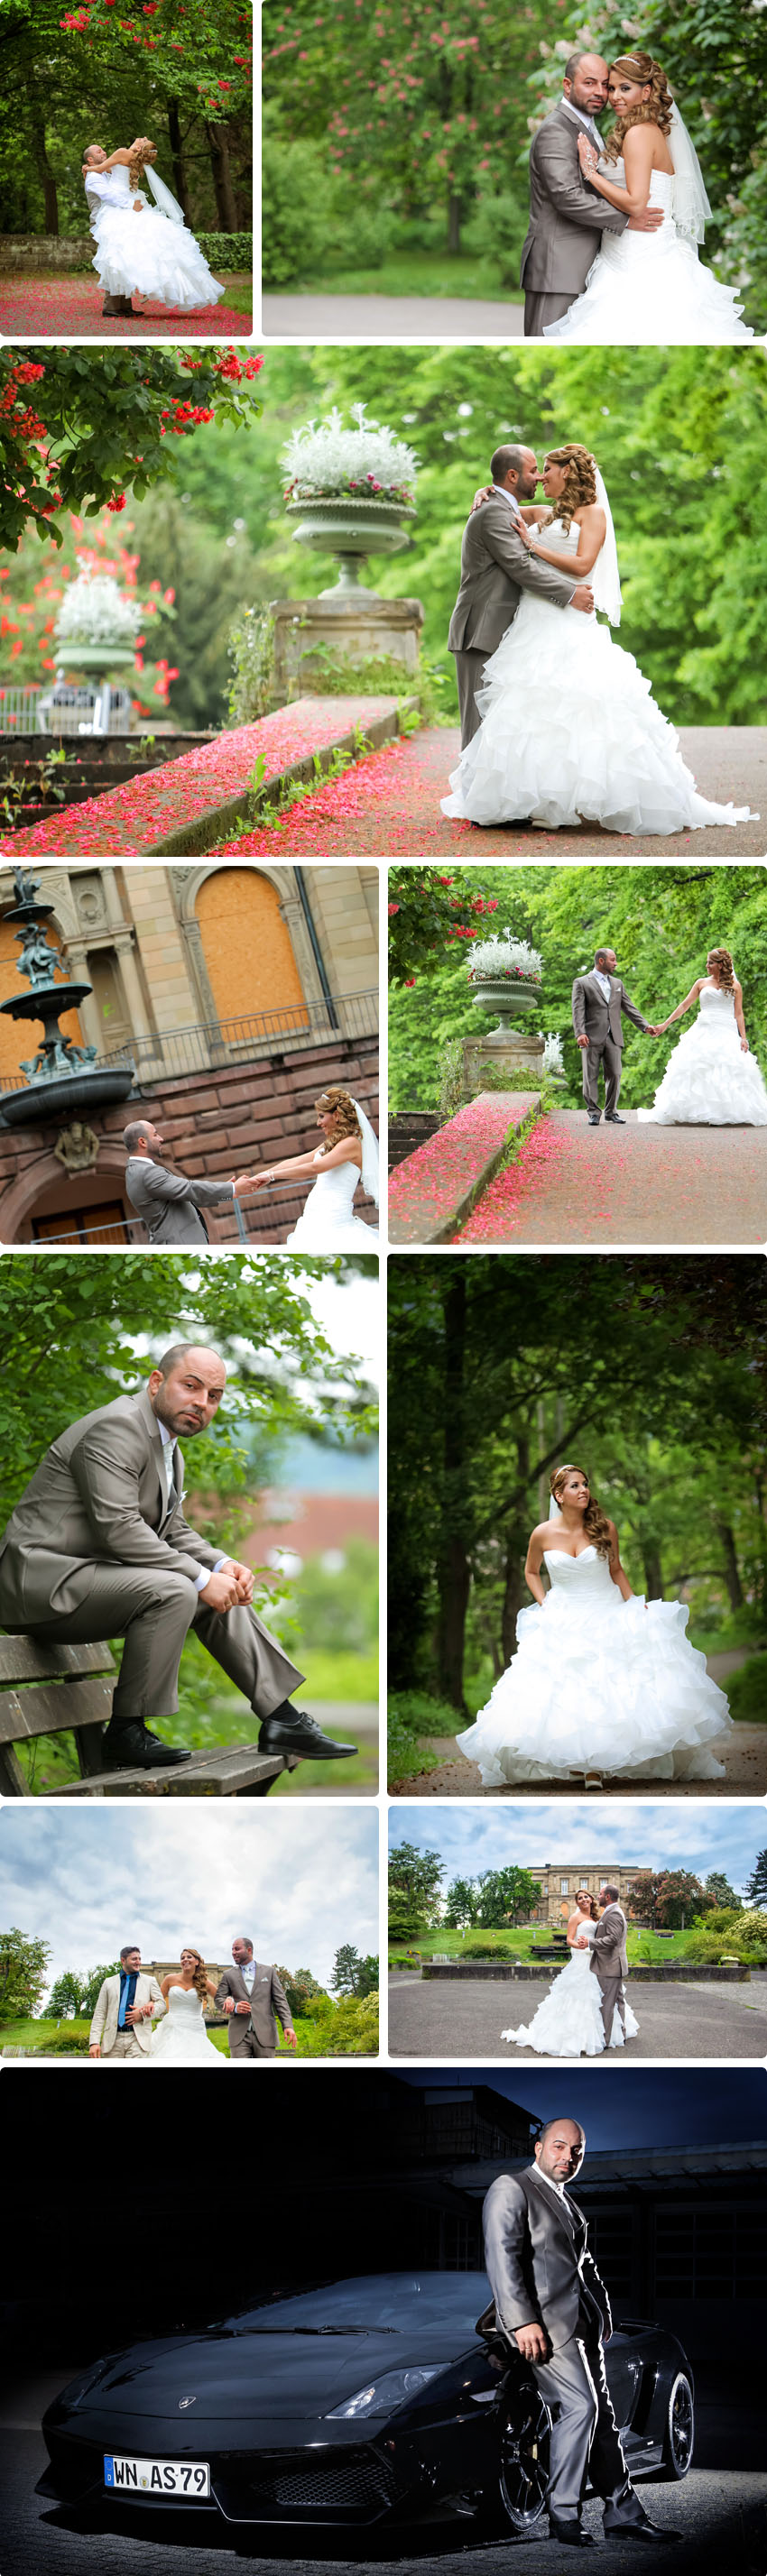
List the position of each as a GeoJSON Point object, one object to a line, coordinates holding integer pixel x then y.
{"type": "Point", "coordinates": [237, 993]}
{"type": "Point", "coordinates": [561, 1881]}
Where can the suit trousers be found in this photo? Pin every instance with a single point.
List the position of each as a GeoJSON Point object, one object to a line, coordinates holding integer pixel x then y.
{"type": "Point", "coordinates": [469, 666]}
{"type": "Point", "coordinates": [250, 2047]}
{"type": "Point", "coordinates": [584, 2436]}
{"type": "Point", "coordinates": [155, 1612]}
{"type": "Point", "coordinates": [613, 1999]}
{"type": "Point", "coordinates": [605, 1052]}
{"type": "Point", "coordinates": [125, 2044]}
{"type": "Point", "coordinates": [540, 309]}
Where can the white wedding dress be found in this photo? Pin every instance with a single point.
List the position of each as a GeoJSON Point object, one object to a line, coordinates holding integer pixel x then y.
{"type": "Point", "coordinates": [570, 732]}
{"type": "Point", "coordinates": [328, 1223]}
{"type": "Point", "coordinates": [599, 1684]}
{"type": "Point", "coordinates": [145, 254]}
{"type": "Point", "coordinates": [708, 1081]}
{"type": "Point", "coordinates": [651, 287]}
{"type": "Point", "coordinates": [569, 2021]}
{"type": "Point", "coordinates": [181, 2038]}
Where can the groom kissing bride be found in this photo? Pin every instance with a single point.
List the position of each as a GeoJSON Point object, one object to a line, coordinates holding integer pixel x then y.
{"type": "Point", "coordinates": [549, 703]}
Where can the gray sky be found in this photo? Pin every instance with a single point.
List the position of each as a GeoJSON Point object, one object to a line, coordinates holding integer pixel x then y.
{"type": "Point", "coordinates": [298, 1882]}
{"type": "Point", "coordinates": [672, 1833]}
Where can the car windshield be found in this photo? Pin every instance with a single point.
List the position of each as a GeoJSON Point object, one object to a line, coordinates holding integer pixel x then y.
{"type": "Point", "coordinates": [378, 2303]}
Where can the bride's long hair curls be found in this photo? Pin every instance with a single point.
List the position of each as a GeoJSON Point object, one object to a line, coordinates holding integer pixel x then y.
{"type": "Point", "coordinates": [579, 486]}
{"type": "Point", "coordinates": [594, 1519]}
{"type": "Point", "coordinates": [655, 110]}
{"type": "Point", "coordinates": [591, 1902]}
{"type": "Point", "coordinates": [723, 960]}
{"type": "Point", "coordinates": [339, 1106]}
{"type": "Point", "coordinates": [200, 1975]}
{"type": "Point", "coordinates": [138, 163]}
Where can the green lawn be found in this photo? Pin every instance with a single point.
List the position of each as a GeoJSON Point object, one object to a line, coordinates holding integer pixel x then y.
{"type": "Point", "coordinates": [37, 2036]}
{"type": "Point", "coordinates": [524, 1943]}
{"type": "Point", "coordinates": [426, 273]}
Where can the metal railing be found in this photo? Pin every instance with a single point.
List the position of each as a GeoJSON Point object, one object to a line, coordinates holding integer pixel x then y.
{"type": "Point", "coordinates": [209, 1046]}
{"type": "Point", "coordinates": [134, 1229]}
{"type": "Point", "coordinates": [66, 708]}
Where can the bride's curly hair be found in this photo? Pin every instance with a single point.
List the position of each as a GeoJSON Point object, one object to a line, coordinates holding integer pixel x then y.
{"type": "Point", "coordinates": [595, 1521]}
{"type": "Point", "coordinates": [200, 1979]}
{"type": "Point", "coordinates": [591, 1902]}
{"type": "Point", "coordinates": [579, 486]}
{"type": "Point", "coordinates": [723, 960]}
{"type": "Point", "coordinates": [139, 162]}
{"type": "Point", "coordinates": [655, 110]}
{"type": "Point", "coordinates": [339, 1106]}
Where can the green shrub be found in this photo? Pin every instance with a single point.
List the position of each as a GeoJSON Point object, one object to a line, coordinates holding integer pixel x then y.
{"type": "Point", "coordinates": [297, 211]}
{"type": "Point", "coordinates": [250, 645]}
{"type": "Point", "coordinates": [227, 251]}
{"type": "Point", "coordinates": [747, 1691]}
{"type": "Point", "coordinates": [490, 1945]}
{"type": "Point", "coordinates": [495, 231]}
{"type": "Point", "coordinates": [65, 2044]}
{"type": "Point", "coordinates": [412, 1714]}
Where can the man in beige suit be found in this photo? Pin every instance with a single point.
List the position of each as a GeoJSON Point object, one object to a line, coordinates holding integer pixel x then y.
{"type": "Point", "coordinates": [495, 569]}
{"type": "Point", "coordinates": [98, 1546]}
{"type": "Point", "coordinates": [609, 1962]}
{"type": "Point", "coordinates": [254, 2000]}
{"type": "Point", "coordinates": [125, 2009]}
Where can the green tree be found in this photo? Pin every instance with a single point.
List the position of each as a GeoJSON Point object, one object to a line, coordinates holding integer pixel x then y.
{"type": "Point", "coordinates": [23, 1975]}
{"type": "Point", "coordinates": [406, 1920]}
{"type": "Point", "coordinates": [719, 1891]}
{"type": "Point", "coordinates": [756, 1885]}
{"type": "Point", "coordinates": [673, 1896]}
{"type": "Point", "coordinates": [419, 1875]}
{"type": "Point", "coordinates": [507, 1895]}
{"type": "Point", "coordinates": [353, 1975]}
{"type": "Point", "coordinates": [65, 2000]}
{"type": "Point", "coordinates": [302, 1990]}
{"type": "Point", "coordinates": [93, 1981]}
{"type": "Point", "coordinates": [76, 431]}
{"type": "Point", "coordinates": [92, 68]}
{"type": "Point", "coordinates": [461, 1904]}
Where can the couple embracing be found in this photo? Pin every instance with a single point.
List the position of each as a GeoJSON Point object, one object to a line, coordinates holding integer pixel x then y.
{"type": "Point", "coordinates": [585, 2010]}
{"type": "Point", "coordinates": [558, 726]}
{"type": "Point", "coordinates": [142, 248]}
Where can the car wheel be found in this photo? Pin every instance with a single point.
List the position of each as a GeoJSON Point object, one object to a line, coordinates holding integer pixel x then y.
{"type": "Point", "coordinates": [679, 2434]}
{"type": "Point", "coordinates": [524, 2458]}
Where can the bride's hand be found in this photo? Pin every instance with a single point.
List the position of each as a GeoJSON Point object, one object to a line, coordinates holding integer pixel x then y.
{"type": "Point", "coordinates": [744, 1047]}
{"type": "Point", "coordinates": [530, 535]}
{"type": "Point", "coordinates": [486, 494]}
{"type": "Point", "coordinates": [587, 155]}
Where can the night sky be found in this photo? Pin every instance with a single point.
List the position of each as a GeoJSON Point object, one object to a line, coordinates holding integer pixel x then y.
{"type": "Point", "coordinates": [630, 2106]}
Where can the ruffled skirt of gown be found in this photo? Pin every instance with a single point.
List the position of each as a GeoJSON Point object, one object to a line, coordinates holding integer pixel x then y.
{"type": "Point", "coordinates": [146, 255]}
{"type": "Point", "coordinates": [666, 296]}
{"type": "Point", "coordinates": [614, 1688]}
{"type": "Point", "coordinates": [708, 1082]}
{"type": "Point", "coordinates": [570, 732]}
{"type": "Point", "coordinates": [569, 2021]}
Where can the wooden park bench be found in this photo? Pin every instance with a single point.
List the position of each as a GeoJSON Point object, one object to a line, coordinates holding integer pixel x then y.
{"type": "Point", "coordinates": [57, 1690]}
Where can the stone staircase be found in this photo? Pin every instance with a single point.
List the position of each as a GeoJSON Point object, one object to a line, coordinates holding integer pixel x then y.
{"type": "Point", "coordinates": [412, 1128]}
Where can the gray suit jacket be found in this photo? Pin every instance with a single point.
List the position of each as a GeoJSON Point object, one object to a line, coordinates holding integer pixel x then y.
{"type": "Point", "coordinates": [537, 2260]}
{"type": "Point", "coordinates": [168, 1202]}
{"type": "Point", "coordinates": [495, 568]}
{"type": "Point", "coordinates": [268, 2005]}
{"type": "Point", "coordinates": [595, 1018]}
{"type": "Point", "coordinates": [608, 1949]}
{"type": "Point", "coordinates": [98, 1496]}
{"type": "Point", "coordinates": [566, 215]}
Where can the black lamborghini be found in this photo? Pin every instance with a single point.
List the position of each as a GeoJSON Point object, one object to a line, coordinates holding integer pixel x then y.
{"type": "Point", "coordinates": [360, 2404]}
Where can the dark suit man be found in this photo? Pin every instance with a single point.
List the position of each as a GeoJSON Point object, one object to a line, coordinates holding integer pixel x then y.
{"type": "Point", "coordinates": [254, 2000]}
{"type": "Point", "coordinates": [551, 2305]}
{"type": "Point", "coordinates": [169, 1203]}
{"type": "Point", "coordinates": [98, 1546]}
{"type": "Point", "coordinates": [599, 1000]}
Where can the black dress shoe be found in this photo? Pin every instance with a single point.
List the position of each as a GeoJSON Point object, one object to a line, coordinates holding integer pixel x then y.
{"type": "Point", "coordinates": [297, 1732]}
{"type": "Point", "coordinates": [645, 2531]}
{"type": "Point", "coordinates": [570, 2534]}
{"type": "Point", "coordinates": [594, 1117]}
{"type": "Point", "coordinates": [612, 1119]}
{"type": "Point", "coordinates": [132, 1748]}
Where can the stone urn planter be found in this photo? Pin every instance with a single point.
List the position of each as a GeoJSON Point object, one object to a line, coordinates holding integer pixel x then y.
{"type": "Point", "coordinates": [493, 993]}
{"type": "Point", "coordinates": [350, 492]}
{"type": "Point", "coordinates": [351, 527]}
{"type": "Point", "coordinates": [505, 976]}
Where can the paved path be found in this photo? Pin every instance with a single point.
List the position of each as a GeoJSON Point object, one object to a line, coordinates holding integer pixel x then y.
{"type": "Point", "coordinates": [464, 2016]}
{"type": "Point", "coordinates": [744, 1755]}
{"type": "Point", "coordinates": [389, 806]}
{"type": "Point", "coordinates": [388, 317]}
{"type": "Point", "coordinates": [576, 1184]}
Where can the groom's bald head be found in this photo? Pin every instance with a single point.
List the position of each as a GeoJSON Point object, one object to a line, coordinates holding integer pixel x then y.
{"type": "Point", "coordinates": [515, 470]}
{"type": "Point", "coordinates": [585, 82]}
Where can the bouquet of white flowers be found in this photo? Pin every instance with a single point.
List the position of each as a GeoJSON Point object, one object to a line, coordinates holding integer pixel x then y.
{"type": "Point", "coordinates": [504, 959]}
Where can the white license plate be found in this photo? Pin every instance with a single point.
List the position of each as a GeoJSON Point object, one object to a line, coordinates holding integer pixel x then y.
{"type": "Point", "coordinates": [156, 2477]}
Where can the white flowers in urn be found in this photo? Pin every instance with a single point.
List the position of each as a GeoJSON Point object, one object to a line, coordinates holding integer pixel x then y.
{"type": "Point", "coordinates": [95, 611]}
{"type": "Point", "coordinates": [326, 460]}
{"type": "Point", "coordinates": [504, 959]}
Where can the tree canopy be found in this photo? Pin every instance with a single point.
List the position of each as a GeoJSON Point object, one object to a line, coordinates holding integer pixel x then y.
{"type": "Point", "coordinates": [178, 70]}
{"type": "Point", "coordinates": [78, 429]}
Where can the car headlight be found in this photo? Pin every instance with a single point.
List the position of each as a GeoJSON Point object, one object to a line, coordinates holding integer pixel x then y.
{"type": "Point", "coordinates": [382, 2395]}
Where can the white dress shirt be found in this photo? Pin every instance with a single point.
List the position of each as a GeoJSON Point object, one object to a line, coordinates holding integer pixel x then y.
{"type": "Point", "coordinates": [604, 982]}
{"type": "Point", "coordinates": [505, 495]}
{"type": "Point", "coordinates": [248, 1975]}
{"type": "Point", "coordinates": [588, 121]}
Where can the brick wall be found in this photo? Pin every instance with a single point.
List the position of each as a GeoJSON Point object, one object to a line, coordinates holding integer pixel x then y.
{"type": "Point", "coordinates": [213, 1123]}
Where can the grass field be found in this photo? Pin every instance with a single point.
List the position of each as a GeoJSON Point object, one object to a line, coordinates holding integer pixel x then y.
{"type": "Point", "coordinates": [426, 273]}
{"type": "Point", "coordinates": [36, 2036]}
{"type": "Point", "coordinates": [524, 1943]}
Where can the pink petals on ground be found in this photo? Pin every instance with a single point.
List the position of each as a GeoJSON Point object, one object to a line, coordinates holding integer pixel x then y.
{"type": "Point", "coordinates": [492, 1220]}
{"type": "Point", "coordinates": [70, 308]}
{"type": "Point", "coordinates": [428, 1192]}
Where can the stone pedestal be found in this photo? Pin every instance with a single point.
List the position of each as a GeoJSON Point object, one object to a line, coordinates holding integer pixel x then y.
{"type": "Point", "coordinates": [507, 1050]}
{"type": "Point", "coordinates": [308, 632]}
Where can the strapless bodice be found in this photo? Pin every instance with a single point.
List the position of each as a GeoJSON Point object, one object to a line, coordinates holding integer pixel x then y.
{"type": "Point", "coordinates": [336, 1186]}
{"type": "Point", "coordinates": [715, 1004]}
{"type": "Point", "coordinates": [184, 2006]}
{"type": "Point", "coordinates": [587, 1572]}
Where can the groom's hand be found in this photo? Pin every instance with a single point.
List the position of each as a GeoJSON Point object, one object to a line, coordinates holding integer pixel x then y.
{"type": "Point", "coordinates": [583, 597]}
{"type": "Point", "coordinates": [95, 2051]}
{"type": "Point", "coordinates": [582, 1041]}
{"type": "Point", "coordinates": [533, 2342]}
{"type": "Point", "coordinates": [220, 1592]}
{"type": "Point", "coordinates": [229, 2004]}
{"type": "Point", "coordinates": [242, 1576]}
{"type": "Point", "coordinates": [647, 222]}
{"type": "Point", "coordinates": [242, 2008]}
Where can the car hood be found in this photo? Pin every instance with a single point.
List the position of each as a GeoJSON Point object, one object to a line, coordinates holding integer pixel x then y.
{"type": "Point", "coordinates": [268, 2376]}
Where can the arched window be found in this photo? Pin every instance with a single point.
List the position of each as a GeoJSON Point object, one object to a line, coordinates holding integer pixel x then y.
{"type": "Point", "coordinates": [247, 948]}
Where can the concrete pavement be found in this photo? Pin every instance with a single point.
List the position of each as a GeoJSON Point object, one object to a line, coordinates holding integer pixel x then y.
{"type": "Point", "coordinates": [388, 317]}
{"type": "Point", "coordinates": [464, 2018]}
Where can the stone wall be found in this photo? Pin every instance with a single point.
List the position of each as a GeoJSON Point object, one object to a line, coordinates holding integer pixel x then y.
{"type": "Point", "coordinates": [213, 1123]}
{"type": "Point", "coordinates": [44, 250]}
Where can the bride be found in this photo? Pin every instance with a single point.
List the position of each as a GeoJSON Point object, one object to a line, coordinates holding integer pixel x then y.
{"type": "Point", "coordinates": [349, 1153]}
{"type": "Point", "coordinates": [649, 286]}
{"type": "Point", "coordinates": [181, 2039]}
{"type": "Point", "coordinates": [570, 733]}
{"type": "Point", "coordinates": [602, 1680]}
{"type": "Point", "coordinates": [569, 2021]}
{"type": "Point", "coordinates": [712, 1080]}
{"type": "Point", "coordinates": [142, 249]}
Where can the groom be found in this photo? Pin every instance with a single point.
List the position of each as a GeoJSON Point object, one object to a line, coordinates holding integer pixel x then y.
{"type": "Point", "coordinates": [608, 1960]}
{"type": "Point", "coordinates": [495, 569]}
{"type": "Point", "coordinates": [552, 2308]}
{"type": "Point", "coordinates": [599, 999]}
{"type": "Point", "coordinates": [97, 173]}
{"type": "Point", "coordinates": [567, 218]}
{"type": "Point", "coordinates": [253, 1997]}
